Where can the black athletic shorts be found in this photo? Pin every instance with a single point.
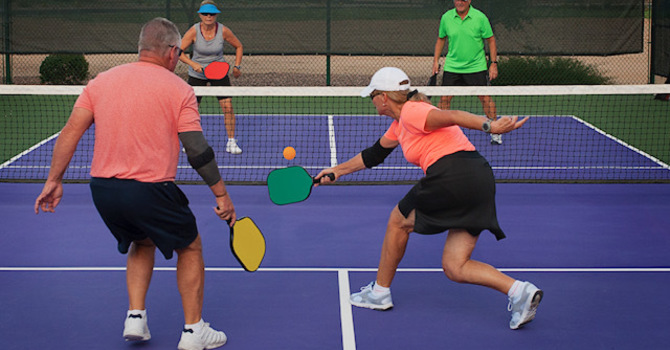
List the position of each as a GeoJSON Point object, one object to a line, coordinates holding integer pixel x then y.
{"type": "Point", "coordinates": [466, 79]}
{"type": "Point", "coordinates": [458, 191]}
{"type": "Point", "coordinates": [200, 82]}
{"type": "Point", "coordinates": [134, 211]}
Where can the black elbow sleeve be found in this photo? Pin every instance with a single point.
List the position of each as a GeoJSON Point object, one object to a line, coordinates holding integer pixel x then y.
{"type": "Point", "coordinates": [202, 158]}
{"type": "Point", "coordinates": [375, 155]}
{"type": "Point", "coordinates": [205, 165]}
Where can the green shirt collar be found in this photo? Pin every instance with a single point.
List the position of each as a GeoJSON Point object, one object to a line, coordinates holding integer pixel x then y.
{"type": "Point", "coordinates": [466, 16]}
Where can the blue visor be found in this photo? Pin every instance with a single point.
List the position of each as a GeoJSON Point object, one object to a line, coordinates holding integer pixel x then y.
{"type": "Point", "coordinates": [208, 8]}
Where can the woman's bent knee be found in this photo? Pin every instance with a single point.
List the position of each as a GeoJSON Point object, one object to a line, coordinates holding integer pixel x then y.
{"type": "Point", "coordinates": [454, 271]}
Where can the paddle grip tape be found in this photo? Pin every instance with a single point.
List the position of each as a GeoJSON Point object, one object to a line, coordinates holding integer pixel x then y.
{"type": "Point", "coordinates": [203, 161]}
{"type": "Point", "coordinates": [375, 155]}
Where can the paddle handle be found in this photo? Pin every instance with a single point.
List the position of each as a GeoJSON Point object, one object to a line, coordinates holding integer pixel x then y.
{"type": "Point", "coordinates": [330, 175]}
{"type": "Point", "coordinates": [227, 221]}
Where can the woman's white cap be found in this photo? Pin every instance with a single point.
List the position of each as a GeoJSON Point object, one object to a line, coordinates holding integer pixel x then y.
{"type": "Point", "coordinates": [387, 79]}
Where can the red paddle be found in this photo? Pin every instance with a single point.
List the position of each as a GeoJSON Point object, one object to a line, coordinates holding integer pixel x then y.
{"type": "Point", "coordinates": [217, 70]}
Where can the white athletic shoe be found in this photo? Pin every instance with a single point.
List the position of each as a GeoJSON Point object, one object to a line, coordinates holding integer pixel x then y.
{"type": "Point", "coordinates": [496, 139]}
{"type": "Point", "coordinates": [524, 308]}
{"type": "Point", "coordinates": [365, 298]}
{"type": "Point", "coordinates": [136, 328]}
{"type": "Point", "coordinates": [207, 338]}
{"type": "Point", "coordinates": [232, 147]}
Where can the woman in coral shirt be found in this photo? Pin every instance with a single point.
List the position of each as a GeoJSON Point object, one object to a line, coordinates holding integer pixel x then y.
{"type": "Point", "coordinates": [456, 195]}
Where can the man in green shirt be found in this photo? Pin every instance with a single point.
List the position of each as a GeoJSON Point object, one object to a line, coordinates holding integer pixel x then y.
{"type": "Point", "coordinates": [465, 64]}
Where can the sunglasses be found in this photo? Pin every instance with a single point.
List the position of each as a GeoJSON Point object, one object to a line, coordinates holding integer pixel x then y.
{"type": "Point", "coordinates": [179, 50]}
{"type": "Point", "coordinates": [209, 14]}
{"type": "Point", "coordinates": [374, 94]}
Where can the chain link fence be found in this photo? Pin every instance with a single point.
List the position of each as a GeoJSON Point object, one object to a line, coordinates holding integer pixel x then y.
{"type": "Point", "coordinates": [330, 42]}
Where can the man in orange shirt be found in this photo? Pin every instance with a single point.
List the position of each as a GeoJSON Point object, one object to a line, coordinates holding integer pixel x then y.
{"type": "Point", "coordinates": [456, 195]}
{"type": "Point", "coordinates": [141, 111]}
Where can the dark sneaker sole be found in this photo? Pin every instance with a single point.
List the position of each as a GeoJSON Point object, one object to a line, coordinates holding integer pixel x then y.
{"type": "Point", "coordinates": [135, 338]}
{"type": "Point", "coordinates": [537, 298]}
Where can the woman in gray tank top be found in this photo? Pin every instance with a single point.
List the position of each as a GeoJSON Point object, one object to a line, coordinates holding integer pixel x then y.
{"type": "Point", "coordinates": [208, 37]}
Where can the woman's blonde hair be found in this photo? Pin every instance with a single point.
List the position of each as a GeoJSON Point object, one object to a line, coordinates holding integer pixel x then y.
{"type": "Point", "coordinates": [208, 2]}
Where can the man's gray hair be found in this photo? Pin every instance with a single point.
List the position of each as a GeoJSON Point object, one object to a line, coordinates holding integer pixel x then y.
{"type": "Point", "coordinates": [157, 35]}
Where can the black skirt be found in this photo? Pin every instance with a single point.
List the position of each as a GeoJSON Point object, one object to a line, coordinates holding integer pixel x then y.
{"type": "Point", "coordinates": [458, 191]}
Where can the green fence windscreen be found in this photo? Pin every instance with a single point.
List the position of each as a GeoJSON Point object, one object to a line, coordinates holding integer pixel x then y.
{"type": "Point", "coordinates": [360, 27]}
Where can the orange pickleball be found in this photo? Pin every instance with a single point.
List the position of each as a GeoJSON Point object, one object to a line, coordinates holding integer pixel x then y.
{"type": "Point", "coordinates": [289, 153]}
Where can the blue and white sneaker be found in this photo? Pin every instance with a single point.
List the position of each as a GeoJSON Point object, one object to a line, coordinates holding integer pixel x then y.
{"type": "Point", "coordinates": [524, 307]}
{"type": "Point", "coordinates": [135, 327]}
{"type": "Point", "coordinates": [367, 299]}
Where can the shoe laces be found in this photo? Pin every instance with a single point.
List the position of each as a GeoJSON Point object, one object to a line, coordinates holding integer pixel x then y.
{"type": "Point", "coordinates": [369, 286]}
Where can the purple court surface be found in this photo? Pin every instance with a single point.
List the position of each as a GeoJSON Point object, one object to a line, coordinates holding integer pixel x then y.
{"type": "Point", "coordinates": [572, 150]}
{"type": "Point", "coordinates": [600, 252]}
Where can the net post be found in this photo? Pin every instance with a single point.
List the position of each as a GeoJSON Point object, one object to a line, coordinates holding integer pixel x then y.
{"type": "Point", "coordinates": [328, 23]}
{"type": "Point", "coordinates": [7, 44]}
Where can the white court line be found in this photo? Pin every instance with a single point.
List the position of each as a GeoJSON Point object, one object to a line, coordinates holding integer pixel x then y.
{"type": "Point", "coordinates": [331, 140]}
{"type": "Point", "coordinates": [34, 147]}
{"type": "Point", "coordinates": [346, 316]}
{"type": "Point", "coordinates": [351, 269]}
{"type": "Point", "coordinates": [621, 142]}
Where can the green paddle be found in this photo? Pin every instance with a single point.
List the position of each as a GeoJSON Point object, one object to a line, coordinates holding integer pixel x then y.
{"type": "Point", "coordinates": [291, 185]}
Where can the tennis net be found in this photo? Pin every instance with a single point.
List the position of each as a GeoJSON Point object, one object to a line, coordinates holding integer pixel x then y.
{"type": "Point", "coordinates": [575, 133]}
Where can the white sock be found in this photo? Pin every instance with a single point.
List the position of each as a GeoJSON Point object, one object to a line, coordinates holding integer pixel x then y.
{"type": "Point", "coordinates": [196, 327]}
{"type": "Point", "coordinates": [379, 290]}
{"type": "Point", "coordinates": [142, 313]}
{"type": "Point", "coordinates": [515, 291]}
